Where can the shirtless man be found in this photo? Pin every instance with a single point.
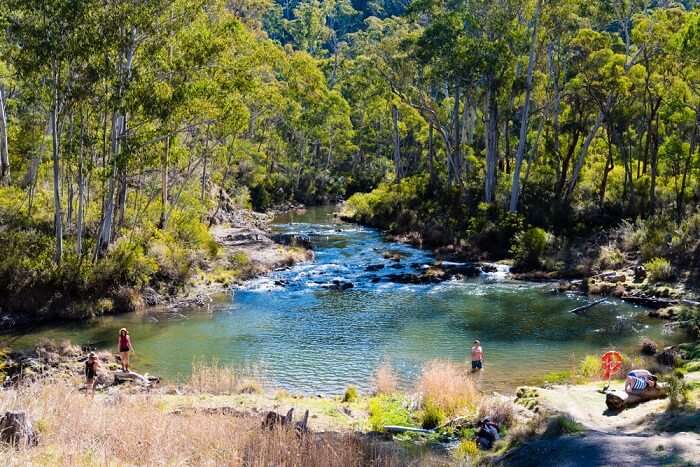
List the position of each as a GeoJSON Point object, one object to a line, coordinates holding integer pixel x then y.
{"type": "Point", "coordinates": [477, 356]}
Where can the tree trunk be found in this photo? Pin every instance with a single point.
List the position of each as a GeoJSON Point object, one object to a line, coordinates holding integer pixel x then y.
{"type": "Point", "coordinates": [164, 185]}
{"type": "Point", "coordinates": [522, 138]}
{"type": "Point", "coordinates": [81, 197]}
{"type": "Point", "coordinates": [397, 144]}
{"type": "Point", "coordinates": [609, 165]}
{"type": "Point", "coordinates": [491, 139]}
{"type": "Point", "coordinates": [680, 199]}
{"type": "Point", "coordinates": [457, 132]}
{"type": "Point", "coordinates": [582, 154]}
{"type": "Point", "coordinates": [4, 149]}
{"type": "Point", "coordinates": [431, 154]}
{"type": "Point", "coordinates": [55, 141]}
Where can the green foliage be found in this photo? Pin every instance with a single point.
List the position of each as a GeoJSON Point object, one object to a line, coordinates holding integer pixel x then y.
{"type": "Point", "coordinates": [388, 410]}
{"type": "Point", "coordinates": [678, 390]}
{"type": "Point", "coordinates": [431, 416]}
{"type": "Point", "coordinates": [690, 319]}
{"type": "Point", "coordinates": [466, 450]}
{"type": "Point", "coordinates": [351, 394]}
{"type": "Point", "coordinates": [659, 270]}
{"type": "Point", "coordinates": [590, 367]}
{"type": "Point", "coordinates": [529, 247]}
{"type": "Point", "coordinates": [562, 425]}
{"type": "Point", "coordinates": [126, 264]}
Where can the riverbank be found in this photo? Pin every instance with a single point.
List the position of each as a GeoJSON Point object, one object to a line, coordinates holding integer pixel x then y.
{"type": "Point", "coordinates": [241, 247]}
{"type": "Point", "coordinates": [219, 414]}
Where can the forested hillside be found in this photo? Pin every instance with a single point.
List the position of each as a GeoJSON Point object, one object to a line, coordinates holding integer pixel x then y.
{"type": "Point", "coordinates": [126, 126]}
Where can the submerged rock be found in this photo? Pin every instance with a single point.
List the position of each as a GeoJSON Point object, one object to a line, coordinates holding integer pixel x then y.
{"type": "Point", "coordinates": [338, 285]}
{"type": "Point", "coordinates": [374, 267]}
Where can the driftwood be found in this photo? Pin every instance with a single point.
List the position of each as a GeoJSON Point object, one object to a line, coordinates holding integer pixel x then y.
{"type": "Point", "coordinates": [16, 429]}
{"type": "Point", "coordinates": [620, 400]}
{"type": "Point", "coordinates": [583, 308]}
{"type": "Point", "coordinates": [273, 420]}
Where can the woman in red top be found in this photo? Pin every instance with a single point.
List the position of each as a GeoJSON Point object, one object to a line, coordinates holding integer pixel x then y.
{"type": "Point", "coordinates": [125, 346]}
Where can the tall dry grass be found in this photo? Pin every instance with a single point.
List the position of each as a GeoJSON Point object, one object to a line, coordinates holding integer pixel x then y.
{"type": "Point", "coordinates": [136, 430]}
{"type": "Point", "coordinates": [386, 381]}
{"type": "Point", "coordinates": [448, 387]}
{"type": "Point", "coordinates": [212, 377]}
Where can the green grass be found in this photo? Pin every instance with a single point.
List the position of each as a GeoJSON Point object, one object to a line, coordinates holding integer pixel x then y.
{"type": "Point", "coordinates": [388, 410]}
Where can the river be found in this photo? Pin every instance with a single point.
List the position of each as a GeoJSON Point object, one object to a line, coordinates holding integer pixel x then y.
{"type": "Point", "coordinates": [305, 338]}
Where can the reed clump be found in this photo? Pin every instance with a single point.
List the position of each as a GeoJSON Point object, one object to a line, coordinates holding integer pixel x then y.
{"type": "Point", "coordinates": [213, 377]}
{"type": "Point", "coordinates": [446, 386]}
{"type": "Point", "coordinates": [385, 380]}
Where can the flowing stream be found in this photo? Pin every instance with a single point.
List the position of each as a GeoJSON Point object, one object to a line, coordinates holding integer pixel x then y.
{"type": "Point", "coordinates": [307, 338]}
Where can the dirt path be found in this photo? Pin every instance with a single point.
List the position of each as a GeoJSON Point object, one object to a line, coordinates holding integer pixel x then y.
{"type": "Point", "coordinates": [643, 435]}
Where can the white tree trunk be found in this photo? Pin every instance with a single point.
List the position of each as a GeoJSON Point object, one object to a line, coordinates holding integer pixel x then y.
{"type": "Point", "coordinates": [55, 141]}
{"type": "Point", "coordinates": [491, 141]}
{"type": "Point", "coordinates": [4, 148]}
{"type": "Point", "coordinates": [522, 141]}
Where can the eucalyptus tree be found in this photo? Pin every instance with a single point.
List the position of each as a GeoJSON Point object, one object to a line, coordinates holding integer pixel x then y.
{"type": "Point", "coordinates": [50, 40]}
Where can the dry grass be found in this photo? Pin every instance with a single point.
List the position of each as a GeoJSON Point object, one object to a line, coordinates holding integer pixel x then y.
{"type": "Point", "coordinates": [134, 430]}
{"type": "Point", "coordinates": [211, 377]}
{"type": "Point", "coordinates": [448, 386]}
{"type": "Point", "coordinates": [498, 409]}
{"type": "Point", "coordinates": [385, 380]}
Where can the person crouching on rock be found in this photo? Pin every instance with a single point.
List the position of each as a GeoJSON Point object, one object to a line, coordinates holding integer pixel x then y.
{"type": "Point", "coordinates": [639, 381]}
{"type": "Point", "coordinates": [125, 346]}
{"type": "Point", "coordinates": [91, 366]}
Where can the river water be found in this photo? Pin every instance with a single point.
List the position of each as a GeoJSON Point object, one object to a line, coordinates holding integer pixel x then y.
{"type": "Point", "coordinates": [303, 337]}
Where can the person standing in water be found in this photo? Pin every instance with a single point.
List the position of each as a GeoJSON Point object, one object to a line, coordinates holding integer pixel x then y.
{"type": "Point", "coordinates": [125, 346]}
{"type": "Point", "coordinates": [477, 356]}
{"type": "Point", "coordinates": [91, 366]}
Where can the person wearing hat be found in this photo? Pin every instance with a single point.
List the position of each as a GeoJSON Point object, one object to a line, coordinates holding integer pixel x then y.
{"type": "Point", "coordinates": [477, 356]}
{"type": "Point", "coordinates": [91, 366]}
{"type": "Point", "coordinates": [125, 346]}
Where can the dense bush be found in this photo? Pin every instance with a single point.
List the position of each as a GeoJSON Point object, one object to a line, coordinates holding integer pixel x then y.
{"type": "Point", "coordinates": [529, 247]}
{"type": "Point", "coordinates": [659, 270]}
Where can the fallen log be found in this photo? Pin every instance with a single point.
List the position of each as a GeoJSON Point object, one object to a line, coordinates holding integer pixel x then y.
{"type": "Point", "coordinates": [583, 308]}
{"type": "Point", "coordinates": [619, 400]}
{"type": "Point", "coordinates": [17, 430]}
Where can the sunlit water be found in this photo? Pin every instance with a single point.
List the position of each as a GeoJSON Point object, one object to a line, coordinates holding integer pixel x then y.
{"type": "Point", "coordinates": [309, 339]}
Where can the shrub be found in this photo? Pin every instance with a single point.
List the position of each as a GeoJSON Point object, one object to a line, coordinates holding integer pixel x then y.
{"type": "Point", "coordinates": [499, 410]}
{"type": "Point", "coordinates": [562, 425]}
{"type": "Point", "coordinates": [529, 247]}
{"type": "Point", "coordinates": [678, 390]}
{"type": "Point", "coordinates": [466, 450]}
{"type": "Point", "coordinates": [351, 394]}
{"type": "Point", "coordinates": [388, 410]}
{"type": "Point", "coordinates": [447, 386]}
{"type": "Point", "coordinates": [610, 257]}
{"type": "Point", "coordinates": [659, 270]}
{"type": "Point", "coordinates": [385, 380]}
{"type": "Point", "coordinates": [431, 416]}
{"type": "Point", "coordinates": [648, 347]}
{"type": "Point", "coordinates": [690, 319]}
{"type": "Point", "coordinates": [126, 264]}
{"type": "Point", "coordinates": [590, 367]}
